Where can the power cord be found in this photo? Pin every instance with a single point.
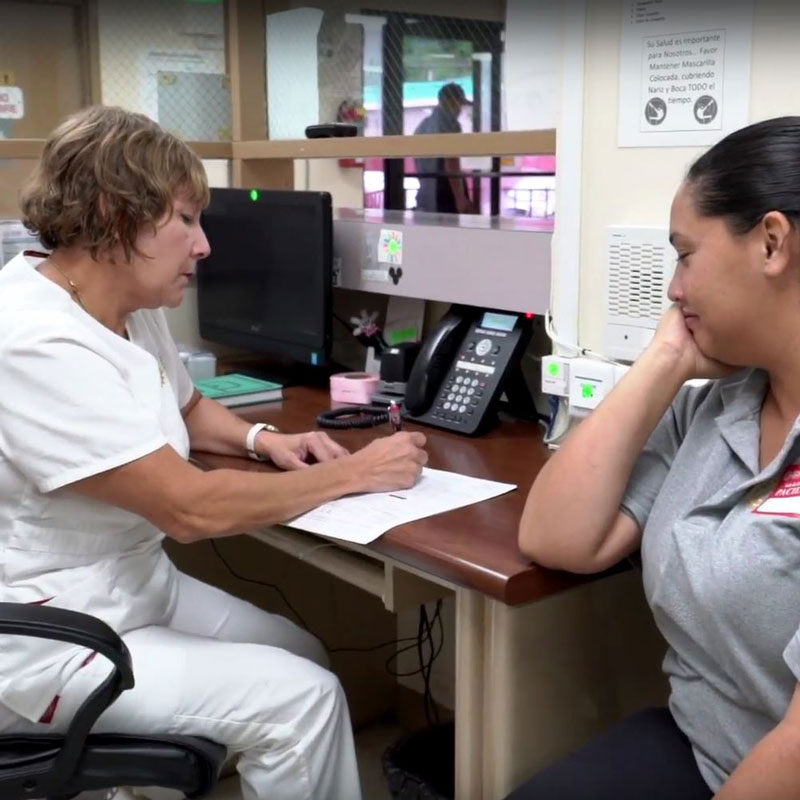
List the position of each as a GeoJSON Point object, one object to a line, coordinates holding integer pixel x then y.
{"type": "Point", "coordinates": [431, 711]}
{"type": "Point", "coordinates": [344, 322]}
{"type": "Point", "coordinates": [239, 576]}
{"type": "Point", "coordinates": [550, 330]}
{"type": "Point", "coordinates": [424, 637]}
{"type": "Point", "coordinates": [372, 648]}
{"type": "Point", "coordinates": [426, 661]}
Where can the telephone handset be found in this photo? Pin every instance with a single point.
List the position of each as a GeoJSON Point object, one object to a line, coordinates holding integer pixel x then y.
{"type": "Point", "coordinates": [464, 366]}
{"type": "Point", "coordinates": [434, 358]}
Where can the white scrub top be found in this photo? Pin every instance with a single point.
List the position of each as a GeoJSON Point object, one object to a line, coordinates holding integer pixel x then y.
{"type": "Point", "coordinates": [76, 400]}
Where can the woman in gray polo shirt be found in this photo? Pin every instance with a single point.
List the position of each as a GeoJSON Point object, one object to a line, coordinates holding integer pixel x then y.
{"type": "Point", "coordinates": [706, 480]}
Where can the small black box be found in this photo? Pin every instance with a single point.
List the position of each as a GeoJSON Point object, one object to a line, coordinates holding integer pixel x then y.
{"type": "Point", "coordinates": [396, 362]}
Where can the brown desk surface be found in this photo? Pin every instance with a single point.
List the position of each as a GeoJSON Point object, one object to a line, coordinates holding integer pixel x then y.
{"type": "Point", "coordinates": [474, 546]}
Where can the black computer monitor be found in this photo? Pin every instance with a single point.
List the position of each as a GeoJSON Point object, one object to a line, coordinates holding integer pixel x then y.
{"type": "Point", "coordinates": [266, 287]}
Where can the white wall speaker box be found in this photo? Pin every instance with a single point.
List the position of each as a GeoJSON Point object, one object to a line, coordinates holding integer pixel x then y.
{"type": "Point", "coordinates": [639, 266]}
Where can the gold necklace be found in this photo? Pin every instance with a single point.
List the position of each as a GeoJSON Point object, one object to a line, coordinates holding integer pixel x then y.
{"type": "Point", "coordinates": [72, 287]}
{"type": "Point", "coordinates": [77, 295]}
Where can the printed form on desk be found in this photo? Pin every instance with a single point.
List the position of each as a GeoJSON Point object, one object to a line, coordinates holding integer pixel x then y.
{"type": "Point", "coordinates": [363, 518]}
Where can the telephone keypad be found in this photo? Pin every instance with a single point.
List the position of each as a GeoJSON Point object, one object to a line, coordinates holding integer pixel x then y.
{"type": "Point", "coordinates": [461, 392]}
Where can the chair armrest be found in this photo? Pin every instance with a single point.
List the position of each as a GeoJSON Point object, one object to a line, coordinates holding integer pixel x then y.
{"type": "Point", "coordinates": [61, 624]}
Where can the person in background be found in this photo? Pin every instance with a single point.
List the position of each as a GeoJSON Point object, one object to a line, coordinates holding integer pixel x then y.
{"type": "Point", "coordinates": [446, 193]}
{"type": "Point", "coordinates": [97, 417]}
{"type": "Point", "coordinates": [704, 479]}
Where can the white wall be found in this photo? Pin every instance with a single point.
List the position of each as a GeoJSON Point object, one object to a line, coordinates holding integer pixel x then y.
{"type": "Point", "coordinates": [324, 174]}
{"type": "Point", "coordinates": [635, 185]}
{"type": "Point", "coordinates": [531, 64]}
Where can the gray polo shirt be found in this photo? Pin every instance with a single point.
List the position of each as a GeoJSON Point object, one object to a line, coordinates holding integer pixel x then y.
{"type": "Point", "coordinates": [723, 580]}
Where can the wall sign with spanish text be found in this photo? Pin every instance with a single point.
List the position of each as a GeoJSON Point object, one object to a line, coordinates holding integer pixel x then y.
{"type": "Point", "coordinates": [684, 71]}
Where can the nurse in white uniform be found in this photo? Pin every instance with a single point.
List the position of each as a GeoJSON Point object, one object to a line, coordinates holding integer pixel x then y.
{"type": "Point", "coordinates": [97, 416]}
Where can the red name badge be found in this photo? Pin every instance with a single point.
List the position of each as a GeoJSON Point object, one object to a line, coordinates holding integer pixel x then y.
{"type": "Point", "coordinates": [784, 500]}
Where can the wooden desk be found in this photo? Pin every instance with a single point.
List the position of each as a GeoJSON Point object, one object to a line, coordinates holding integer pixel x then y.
{"type": "Point", "coordinates": [520, 666]}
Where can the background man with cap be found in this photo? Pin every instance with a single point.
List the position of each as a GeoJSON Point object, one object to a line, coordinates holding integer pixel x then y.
{"type": "Point", "coordinates": [447, 193]}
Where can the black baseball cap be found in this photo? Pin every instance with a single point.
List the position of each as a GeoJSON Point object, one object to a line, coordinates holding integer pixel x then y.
{"type": "Point", "coordinates": [453, 91]}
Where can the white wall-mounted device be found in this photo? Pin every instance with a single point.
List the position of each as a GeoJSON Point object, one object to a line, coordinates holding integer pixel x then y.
{"type": "Point", "coordinates": [639, 266]}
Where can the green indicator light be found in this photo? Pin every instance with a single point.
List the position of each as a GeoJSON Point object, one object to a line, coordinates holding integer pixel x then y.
{"type": "Point", "coordinates": [254, 194]}
{"type": "Point", "coordinates": [587, 390]}
{"type": "Point", "coordinates": [554, 369]}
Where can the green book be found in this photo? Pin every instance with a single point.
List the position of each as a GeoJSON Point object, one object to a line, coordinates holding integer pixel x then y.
{"type": "Point", "coordinates": [239, 390]}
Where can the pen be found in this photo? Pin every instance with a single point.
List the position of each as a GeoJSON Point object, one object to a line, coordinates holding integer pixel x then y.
{"type": "Point", "coordinates": [395, 419]}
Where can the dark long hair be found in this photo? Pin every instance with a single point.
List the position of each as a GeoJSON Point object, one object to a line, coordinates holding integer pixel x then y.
{"type": "Point", "coordinates": [750, 172]}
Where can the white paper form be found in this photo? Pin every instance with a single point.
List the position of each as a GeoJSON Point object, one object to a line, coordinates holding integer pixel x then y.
{"type": "Point", "coordinates": [363, 518]}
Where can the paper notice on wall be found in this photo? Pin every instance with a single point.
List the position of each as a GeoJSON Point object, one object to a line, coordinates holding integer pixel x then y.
{"type": "Point", "coordinates": [157, 63]}
{"type": "Point", "coordinates": [12, 105]}
{"type": "Point", "coordinates": [684, 71]}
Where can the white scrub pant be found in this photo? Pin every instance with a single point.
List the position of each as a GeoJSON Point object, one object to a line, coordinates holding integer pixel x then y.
{"type": "Point", "coordinates": [252, 681]}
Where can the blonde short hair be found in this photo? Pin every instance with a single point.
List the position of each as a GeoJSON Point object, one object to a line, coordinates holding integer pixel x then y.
{"type": "Point", "coordinates": [104, 176]}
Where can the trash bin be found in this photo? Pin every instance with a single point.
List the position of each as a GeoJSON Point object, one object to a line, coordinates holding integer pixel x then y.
{"type": "Point", "coordinates": [421, 765]}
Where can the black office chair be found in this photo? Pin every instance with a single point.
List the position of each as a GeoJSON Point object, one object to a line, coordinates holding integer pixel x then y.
{"type": "Point", "coordinates": [58, 767]}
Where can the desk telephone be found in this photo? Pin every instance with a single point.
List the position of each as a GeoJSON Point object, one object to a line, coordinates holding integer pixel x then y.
{"type": "Point", "coordinates": [464, 366]}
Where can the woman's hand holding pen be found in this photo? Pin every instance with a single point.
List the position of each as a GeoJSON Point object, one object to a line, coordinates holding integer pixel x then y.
{"type": "Point", "coordinates": [392, 462]}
